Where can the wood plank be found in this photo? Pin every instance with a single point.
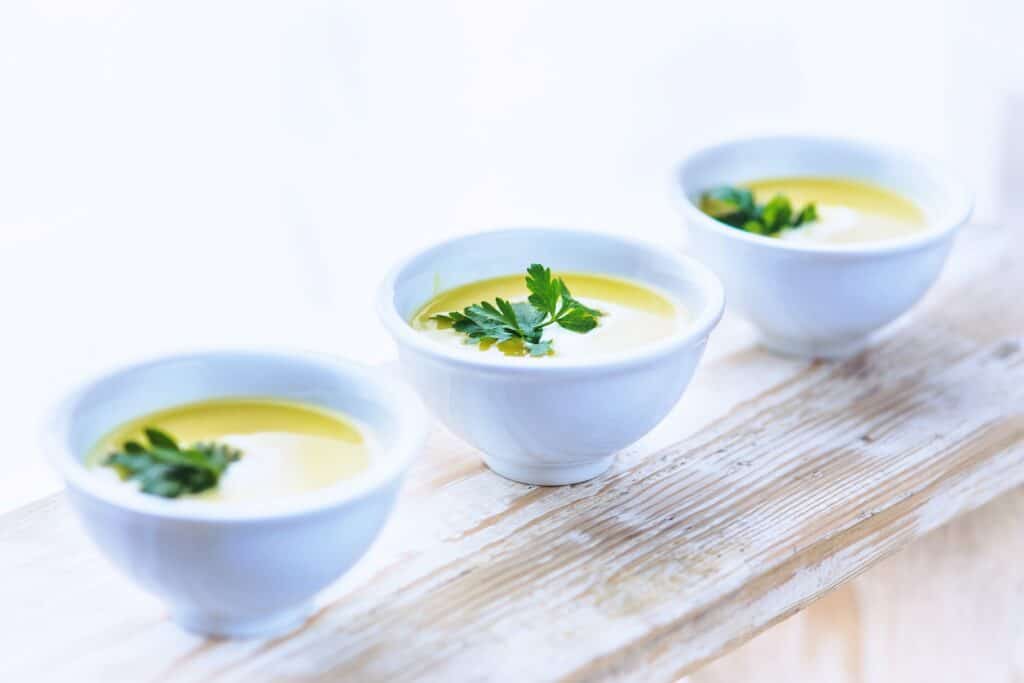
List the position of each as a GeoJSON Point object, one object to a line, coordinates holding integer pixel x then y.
{"type": "Point", "coordinates": [773, 482]}
{"type": "Point", "coordinates": [947, 608]}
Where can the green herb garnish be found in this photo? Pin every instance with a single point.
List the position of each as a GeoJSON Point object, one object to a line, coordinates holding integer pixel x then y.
{"type": "Point", "coordinates": [164, 469]}
{"type": "Point", "coordinates": [736, 207]}
{"type": "Point", "coordinates": [550, 302]}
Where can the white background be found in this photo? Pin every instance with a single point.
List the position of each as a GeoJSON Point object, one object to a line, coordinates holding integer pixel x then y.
{"type": "Point", "coordinates": [196, 173]}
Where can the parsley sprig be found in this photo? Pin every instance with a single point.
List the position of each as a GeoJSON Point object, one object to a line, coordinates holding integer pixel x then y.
{"type": "Point", "coordinates": [163, 469]}
{"type": "Point", "coordinates": [549, 303]}
{"type": "Point", "coordinates": [736, 207]}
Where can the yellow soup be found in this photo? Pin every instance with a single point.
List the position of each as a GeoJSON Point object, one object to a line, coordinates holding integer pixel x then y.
{"type": "Point", "coordinates": [287, 448]}
{"type": "Point", "coordinates": [849, 211]}
{"type": "Point", "coordinates": [633, 315]}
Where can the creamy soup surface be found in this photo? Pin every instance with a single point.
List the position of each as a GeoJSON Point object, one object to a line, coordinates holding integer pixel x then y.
{"type": "Point", "coordinates": [633, 315]}
{"type": "Point", "coordinates": [849, 211]}
{"type": "Point", "coordinates": [287, 448]}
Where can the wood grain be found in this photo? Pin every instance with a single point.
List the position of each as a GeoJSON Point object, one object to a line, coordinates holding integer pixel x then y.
{"type": "Point", "coordinates": [947, 608]}
{"type": "Point", "coordinates": [773, 482]}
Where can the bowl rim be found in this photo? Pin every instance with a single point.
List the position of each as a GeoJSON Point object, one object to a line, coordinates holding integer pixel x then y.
{"type": "Point", "coordinates": [696, 331]}
{"type": "Point", "coordinates": [961, 205]}
{"type": "Point", "coordinates": [409, 415]}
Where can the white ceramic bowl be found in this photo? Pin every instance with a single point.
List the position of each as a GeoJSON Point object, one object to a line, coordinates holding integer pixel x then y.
{"type": "Point", "coordinates": [237, 570]}
{"type": "Point", "coordinates": [821, 300]}
{"type": "Point", "coordinates": [549, 420]}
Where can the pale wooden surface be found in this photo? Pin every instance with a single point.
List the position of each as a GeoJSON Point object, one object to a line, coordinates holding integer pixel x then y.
{"type": "Point", "coordinates": [772, 483]}
{"type": "Point", "coordinates": [950, 607]}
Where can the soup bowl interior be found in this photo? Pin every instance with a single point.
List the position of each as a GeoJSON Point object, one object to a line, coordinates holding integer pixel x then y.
{"type": "Point", "coordinates": [509, 252]}
{"type": "Point", "coordinates": [940, 196]}
{"type": "Point", "coordinates": [549, 420]}
{"type": "Point", "coordinates": [813, 299]}
{"type": "Point", "coordinates": [229, 568]}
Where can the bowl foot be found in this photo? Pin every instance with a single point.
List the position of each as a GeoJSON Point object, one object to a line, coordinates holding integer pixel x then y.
{"type": "Point", "coordinates": [547, 474]}
{"type": "Point", "coordinates": [804, 348]}
{"type": "Point", "coordinates": [210, 625]}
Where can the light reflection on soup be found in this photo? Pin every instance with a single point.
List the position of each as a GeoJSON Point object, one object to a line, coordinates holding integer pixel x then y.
{"type": "Point", "coordinates": [287, 448]}
{"type": "Point", "coordinates": [849, 211]}
{"type": "Point", "coordinates": [633, 315]}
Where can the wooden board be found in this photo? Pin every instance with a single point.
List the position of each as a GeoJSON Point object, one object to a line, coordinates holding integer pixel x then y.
{"type": "Point", "coordinates": [773, 482]}
{"type": "Point", "coordinates": [947, 608]}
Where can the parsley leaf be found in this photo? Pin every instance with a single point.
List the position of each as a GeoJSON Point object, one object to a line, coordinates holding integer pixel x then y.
{"type": "Point", "coordinates": [578, 319]}
{"type": "Point", "coordinates": [735, 206]}
{"type": "Point", "coordinates": [549, 302]}
{"type": "Point", "coordinates": [807, 214]}
{"type": "Point", "coordinates": [163, 469]}
{"type": "Point", "coordinates": [544, 291]}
